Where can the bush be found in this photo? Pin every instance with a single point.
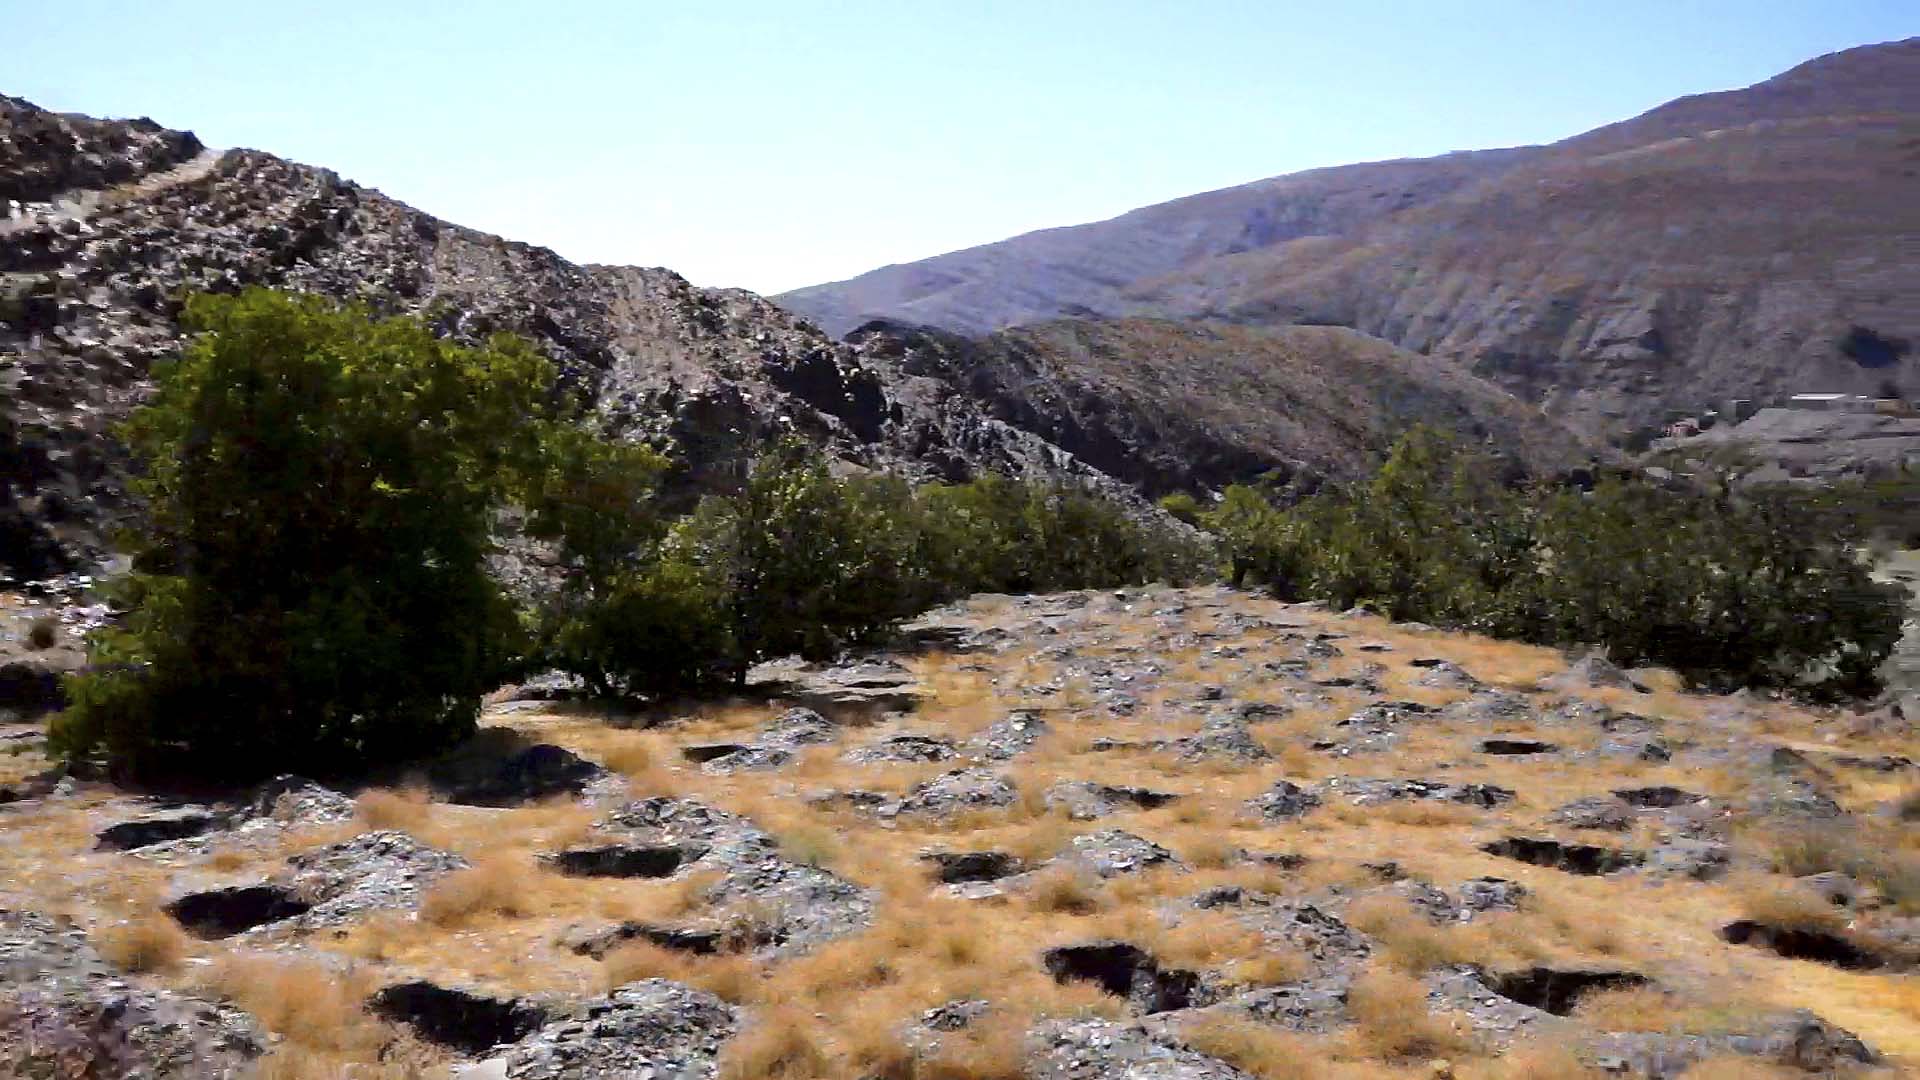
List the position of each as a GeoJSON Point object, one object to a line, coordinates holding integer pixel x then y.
{"type": "Point", "coordinates": [1758, 587]}
{"type": "Point", "coordinates": [311, 594]}
{"type": "Point", "coordinates": [803, 562]}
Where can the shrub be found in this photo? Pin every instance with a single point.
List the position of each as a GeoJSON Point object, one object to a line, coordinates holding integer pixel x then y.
{"type": "Point", "coordinates": [43, 633]}
{"type": "Point", "coordinates": [311, 592]}
{"type": "Point", "coordinates": [801, 561]}
{"type": "Point", "coordinates": [1755, 587]}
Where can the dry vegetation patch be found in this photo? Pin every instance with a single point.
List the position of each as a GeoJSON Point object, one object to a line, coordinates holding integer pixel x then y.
{"type": "Point", "coordinates": [842, 1009]}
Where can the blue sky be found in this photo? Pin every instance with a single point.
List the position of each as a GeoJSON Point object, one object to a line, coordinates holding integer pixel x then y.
{"type": "Point", "coordinates": [776, 144]}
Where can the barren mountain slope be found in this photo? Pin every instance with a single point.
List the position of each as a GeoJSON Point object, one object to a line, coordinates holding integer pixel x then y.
{"type": "Point", "coordinates": [1080, 269]}
{"type": "Point", "coordinates": [1175, 405]}
{"type": "Point", "coordinates": [1738, 244]}
{"type": "Point", "coordinates": [1771, 258]}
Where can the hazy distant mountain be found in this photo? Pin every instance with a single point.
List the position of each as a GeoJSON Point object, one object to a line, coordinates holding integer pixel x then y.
{"type": "Point", "coordinates": [1744, 243]}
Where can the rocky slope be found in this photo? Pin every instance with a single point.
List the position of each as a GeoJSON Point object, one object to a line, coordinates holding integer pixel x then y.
{"type": "Point", "coordinates": [1171, 405]}
{"type": "Point", "coordinates": [91, 281]}
{"type": "Point", "coordinates": [1190, 834]}
{"type": "Point", "coordinates": [1739, 244]}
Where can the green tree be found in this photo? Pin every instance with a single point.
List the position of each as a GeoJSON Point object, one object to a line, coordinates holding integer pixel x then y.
{"type": "Point", "coordinates": [311, 591]}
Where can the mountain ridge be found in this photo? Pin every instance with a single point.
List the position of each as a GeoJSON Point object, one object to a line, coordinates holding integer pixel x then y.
{"type": "Point", "coordinates": [1720, 245]}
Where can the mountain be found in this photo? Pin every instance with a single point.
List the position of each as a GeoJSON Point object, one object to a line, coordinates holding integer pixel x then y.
{"type": "Point", "coordinates": [1173, 406]}
{"type": "Point", "coordinates": [1084, 269]}
{"type": "Point", "coordinates": [123, 219]}
{"type": "Point", "coordinates": [1749, 243]}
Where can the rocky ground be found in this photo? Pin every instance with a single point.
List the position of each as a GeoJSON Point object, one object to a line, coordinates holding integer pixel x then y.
{"type": "Point", "coordinates": [1159, 834]}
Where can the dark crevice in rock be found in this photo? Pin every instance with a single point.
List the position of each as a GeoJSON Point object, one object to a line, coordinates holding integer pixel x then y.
{"type": "Point", "coordinates": [699, 941]}
{"type": "Point", "coordinates": [1127, 971]}
{"type": "Point", "coordinates": [1815, 945]}
{"type": "Point", "coordinates": [625, 860]}
{"type": "Point", "coordinates": [157, 829]}
{"type": "Point", "coordinates": [1557, 991]}
{"type": "Point", "coordinates": [467, 1022]}
{"type": "Point", "coordinates": [1573, 858]}
{"type": "Point", "coordinates": [701, 753]}
{"type": "Point", "coordinates": [959, 867]}
{"type": "Point", "coordinates": [1659, 797]}
{"type": "Point", "coordinates": [1516, 747]}
{"type": "Point", "coordinates": [223, 913]}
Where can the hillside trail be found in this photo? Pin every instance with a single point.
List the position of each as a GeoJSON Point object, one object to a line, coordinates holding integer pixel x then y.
{"type": "Point", "coordinates": [80, 203]}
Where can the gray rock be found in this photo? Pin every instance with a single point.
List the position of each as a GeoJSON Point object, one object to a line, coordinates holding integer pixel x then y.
{"type": "Point", "coordinates": [1085, 801]}
{"type": "Point", "coordinates": [1103, 1050]}
{"type": "Point", "coordinates": [65, 1012]}
{"type": "Point", "coordinates": [1796, 1040]}
{"type": "Point", "coordinates": [955, 1015]}
{"type": "Point", "coordinates": [799, 727]}
{"type": "Point", "coordinates": [1595, 812]}
{"type": "Point", "coordinates": [296, 800]}
{"type": "Point", "coordinates": [1701, 860]}
{"type": "Point", "coordinates": [903, 748]}
{"type": "Point", "coordinates": [377, 871]}
{"type": "Point", "coordinates": [1112, 851]}
{"type": "Point", "coordinates": [1491, 894]}
{"type": "Point", "coordinates": [1284, 801]}
{"type": "Point", "coordinates": [957, 792]}
{"type": "Point", "coordinates": [1592, 671]}
{"type": "Point", "coordinates": [1445, 674]}
{"type": "Point", "coordinates": [749, 759]}
{"type": "Point", "coordinates": [1362, 791]}
{"type": "Point", "coordinates": [653, 1028]}
{"type": "Point", "coordinates": [1007, 739]}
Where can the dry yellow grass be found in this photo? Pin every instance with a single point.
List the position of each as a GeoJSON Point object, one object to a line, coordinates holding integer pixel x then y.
{"type": "Point", "coordinates": [1537, 1061]}
{"type": "Point", "coordinates": [1066, 890]}
{"type": "Point", "coordinates": [502, 925]}
{"type": "Point", "coordinates": [1411, 942]}
{"type": "Point", "coordinates": [381, 808]}
{"type": "Point", "coordinates": [731, 977]}
{"type": "Point", "coordinates": [1260, 1049]}
{"type": "Point", "coordinates": [146, 943]}
{"type": "Point", "coordinates": [1789, 906]}
{"type": "Point", "coordinates": [1741, 1067]}
{"type": "Point", "coordinates": [497, 886]}
{"type": "Point", "coordinates": [318, 1010]}
{"type": "Point", "coordinates": [1392, 1021]}
{"type": "Point", "coordinates": [777, 1044]}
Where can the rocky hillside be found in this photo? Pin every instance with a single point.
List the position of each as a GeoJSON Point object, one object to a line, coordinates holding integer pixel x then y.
{"type": "Point", "coordinates": [92, 276]}
{"type": "Point", "coordinates": [1343, 849]}
{"type": "Point", "coordinates": [1169, 405]}
{"type": "Point", "coordinates": [91, 281]}
{"type": "Point", "coordinates": [1739, 244]}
